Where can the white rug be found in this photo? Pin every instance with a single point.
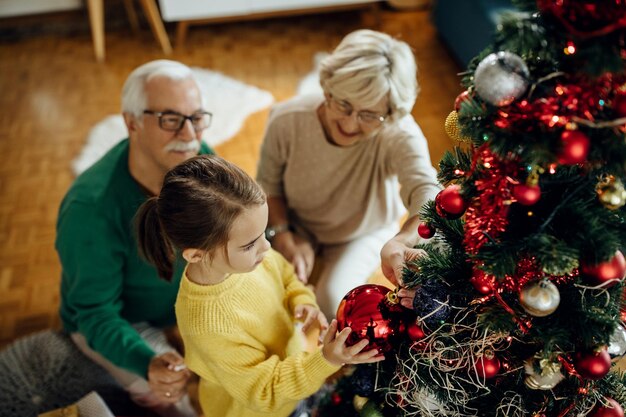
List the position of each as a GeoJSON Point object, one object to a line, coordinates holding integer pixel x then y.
{"type": "Point", "coordinates": [230, 101]}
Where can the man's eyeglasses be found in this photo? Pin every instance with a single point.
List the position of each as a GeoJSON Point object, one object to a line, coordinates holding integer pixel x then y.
{"type": "Point", "coordinates": [173, 121]}
{"type": "Point", "coordinates": [364, 117]}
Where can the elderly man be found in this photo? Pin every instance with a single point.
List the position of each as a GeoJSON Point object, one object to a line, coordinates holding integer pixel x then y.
{"type": "Point", "coordinates": [113, 304]}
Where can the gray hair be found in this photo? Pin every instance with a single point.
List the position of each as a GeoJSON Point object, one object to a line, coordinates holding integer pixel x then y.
{"type": "Point", "coordinates": [134, 100]}
{"type": "Point", "coordinates": [368, 65]}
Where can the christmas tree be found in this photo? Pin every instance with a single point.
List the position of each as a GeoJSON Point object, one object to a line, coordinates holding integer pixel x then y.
{"type": "Point", "coordinates": [519, 302]}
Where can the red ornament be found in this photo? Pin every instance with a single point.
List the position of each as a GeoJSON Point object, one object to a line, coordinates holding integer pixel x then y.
{"type": "Point", "coordinates": [586, 18]}
{"type": "Point", "coordinates": [526, 195]}
{"type": "Point", "coordinates": [450, 203]}
{"type": "Point", "coordinates": [415, 332]}
{"type": "Point", "coordinates": [606, 273]}
{"type": "Point", "coordinates": [574, 147]}
{"type": "Point", "coordinates": [335, 398]}
{"type": "Point", "coordinates": [592, 365]}
{"type": "Point", "coordinates": [464, 96]}
{"type": "Point", "coordinates": [614, 409]}
{"type": "Point", "coordinates": [482, 282]}
{"type": "Point", "coordinates": [362, 310]}
{"type": "Point", "coordinates": [425, 230]}
{"type": "Point", "coordinates": [487, 366]}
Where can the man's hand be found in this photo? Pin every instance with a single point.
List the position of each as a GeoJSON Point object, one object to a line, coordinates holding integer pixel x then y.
{"type": "Point", "coordinates": [168, 376]}
{"type": "Point", "coordinates": [298, 251]}
{"type": "Point", "coordinates": [394, 255]}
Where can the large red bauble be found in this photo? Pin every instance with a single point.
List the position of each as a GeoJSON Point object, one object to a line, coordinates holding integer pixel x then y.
{"type": "Point", "coordinates": [608, 273]}
{"type": "Point", "coordinates": [615, 409]}
{"type": "Point", "coordinates": [574, 147]}
{"type": "Point", "coordinates": [361, 310]}
{"type": "Point", "coordinates": [592, 365]}
{"type": "Point", "coordinates": [425, 230]}
{"type": "Point", "coordinates": [415, 332]}
{"type": "Point", "coordinates": [450, 203]}
{"type": "Point", "coordinates": [487, 367]}
{"type": "Point", "coordinates": [526, 195]}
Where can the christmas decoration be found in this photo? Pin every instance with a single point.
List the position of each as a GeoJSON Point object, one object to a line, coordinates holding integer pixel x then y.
{"type": "Point", "coordinates": [617, 343]}
{"type": "Point", "coordinates": [526, 195]}
{"type": "Point", "coordinates": [606, 273]}
{"type": "Point", "coordinates": [430, 304]}
{"type": "Point", "coordinates": [362, 310]}
{"type": "Point", "coordinates": [452, 129]}
{"type": "Point", "coordinates": [425, 230]}
{"type": "Point", "coordinates": [611, 192]}
{"type": "Point", "coordinates": [549, 374]}
{"type": "Point", "coordinates": [464, 96]}
{"type": "Point", "coordinates": [482, 282]}
{"type": "Point", "coordinates": [611, 409]}
{"type": "Point", "coordinates": [450, 203]}
{"type": "Point", "coordinates": [501, 78]}
{"type": "Point", "coordinates": [574, 147]}
{"type": "Point", "coordinates": [540, 298]}
{"type": "Point", "coordinates": [592, 365]}
{"type": "Point", "coordinates": [519, 299]}
{"type": "Point", "coordinates": [487, 366]}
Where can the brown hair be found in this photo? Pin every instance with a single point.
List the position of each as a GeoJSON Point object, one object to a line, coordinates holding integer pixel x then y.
{"type": "Point", "coordinates": [196, 207]}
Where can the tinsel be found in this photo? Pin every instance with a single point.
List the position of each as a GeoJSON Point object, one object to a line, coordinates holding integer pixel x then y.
{"type": "Point", "coordinates": [487, 215]}
{"type": "Point", "coordinates": [587, 19]}
{"type": "Point", "coordinates": [577, 99]}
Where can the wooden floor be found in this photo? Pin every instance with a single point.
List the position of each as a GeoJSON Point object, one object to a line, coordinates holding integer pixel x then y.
{"type": "Point", "coordinates": [52, 91]}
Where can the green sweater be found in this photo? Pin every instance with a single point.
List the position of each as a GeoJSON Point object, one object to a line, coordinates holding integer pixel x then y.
{"type": "Point", "coordinates": [105, 285]}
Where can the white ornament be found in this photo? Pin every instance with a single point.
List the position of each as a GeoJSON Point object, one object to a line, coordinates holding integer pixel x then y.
{"type": "Point", "coordinates": [540, 298]}
{"type": "Point", "coordinates": [548, 378]}
{"type": "Point", "coordinates": [501, 78]}
{"type": "Point", "coordinates": [617, 343]}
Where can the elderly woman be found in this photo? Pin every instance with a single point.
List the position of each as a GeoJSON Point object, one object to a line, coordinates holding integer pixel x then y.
{"type": "Point", "coordinates": [332, 165]}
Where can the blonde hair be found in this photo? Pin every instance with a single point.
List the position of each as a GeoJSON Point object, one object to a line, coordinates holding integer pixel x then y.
{"type": "Point", "coordinates": [367, 66]}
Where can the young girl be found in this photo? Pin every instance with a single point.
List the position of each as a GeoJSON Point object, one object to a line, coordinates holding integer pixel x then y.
{"type": "Point", "coordinates": [238, 299]}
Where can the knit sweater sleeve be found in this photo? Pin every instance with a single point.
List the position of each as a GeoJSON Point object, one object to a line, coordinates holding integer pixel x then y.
{"type": "Point", "coordinates": [408, 154]}
{"type": "Point", "coordinates": [296, 292]}
{"type": "Point", "coordinates": [251, 376]}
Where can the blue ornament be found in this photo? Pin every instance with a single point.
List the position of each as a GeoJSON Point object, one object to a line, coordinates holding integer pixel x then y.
{"type": "Point", "coordinates": [363, 380]}
{"type": "Point", "coordinates": [429, 297]}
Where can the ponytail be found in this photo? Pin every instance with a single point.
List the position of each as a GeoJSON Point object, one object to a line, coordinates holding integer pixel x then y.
{"type": "Point", "coordinates": [154, 245]}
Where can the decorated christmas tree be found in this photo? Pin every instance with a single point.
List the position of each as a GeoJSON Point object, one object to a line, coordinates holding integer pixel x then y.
{"type": "Point", "coordinates": [519, 303]}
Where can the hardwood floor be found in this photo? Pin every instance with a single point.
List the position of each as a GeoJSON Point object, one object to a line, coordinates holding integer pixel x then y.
{"type": "Point", "coordinates": [53, 91]}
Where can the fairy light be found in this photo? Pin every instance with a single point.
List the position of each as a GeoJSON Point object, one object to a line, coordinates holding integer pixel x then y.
{"type": "Point", "coordinates": [570, 49]}
{"type": "Point", "coordinates": [552, 169]}
{"type": "Point", "coordinates": [487, 165]}
{"type": "Point", "coordinates": [530, 213]}
{"type": "Point", "coordinates": [459, 172]}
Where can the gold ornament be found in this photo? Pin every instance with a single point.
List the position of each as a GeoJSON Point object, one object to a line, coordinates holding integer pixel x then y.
{"type": "Point", "coordinates": [358, 402]}
{"type": "Point", "coordinates": [539, 298]}
{"type": "Point", "coordinates": [453, 129]}
{"type": "Point", "coordinates": [611, 192]}
{"type": "Point", "coordinates": [549, 376]}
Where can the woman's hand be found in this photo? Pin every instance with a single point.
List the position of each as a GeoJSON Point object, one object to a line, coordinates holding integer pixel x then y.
{"type": "Point", "coordinates": [309, 315]}
{"type": "Point", "coordinates": [394, 256]}
{"type": "Point", "coordinates": [338, 353]}
{"type": "Point", "coordinates": [298, 251]}
{"type": "Point", "coordinates": [168, 376]}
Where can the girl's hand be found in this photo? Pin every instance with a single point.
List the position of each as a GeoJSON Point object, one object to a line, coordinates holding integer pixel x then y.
{"type": "Point", "coordinates": [310, 315]}
{"type": "Point", "coordinates": [336, 352]}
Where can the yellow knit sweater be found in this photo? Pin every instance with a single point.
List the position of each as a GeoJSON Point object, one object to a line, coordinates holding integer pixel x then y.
{"type": "Point", "coordinates": [238, 338]}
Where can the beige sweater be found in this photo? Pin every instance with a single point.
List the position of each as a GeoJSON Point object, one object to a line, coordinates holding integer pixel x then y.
{"type": "Point", "coordinates": [341, 193]}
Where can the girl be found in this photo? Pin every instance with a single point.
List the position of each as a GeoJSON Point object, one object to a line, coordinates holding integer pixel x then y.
{"type": "Point", "coordinates": [238, 299]}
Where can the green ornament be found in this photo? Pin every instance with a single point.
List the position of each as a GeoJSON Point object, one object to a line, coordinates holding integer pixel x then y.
{"type": "Point", "coordinates": [370, 410]}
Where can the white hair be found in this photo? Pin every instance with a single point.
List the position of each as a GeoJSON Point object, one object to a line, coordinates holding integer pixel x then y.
{"type": "Point", "coordinates": [367, 66]}
{"type": "Point", "coordinates": [134, 100]}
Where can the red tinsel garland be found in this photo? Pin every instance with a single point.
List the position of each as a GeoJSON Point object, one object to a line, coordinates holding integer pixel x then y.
{"type": "Point", "coordinates": [580, 98]}
{"type": "Point", "coordinates": [487, 215]}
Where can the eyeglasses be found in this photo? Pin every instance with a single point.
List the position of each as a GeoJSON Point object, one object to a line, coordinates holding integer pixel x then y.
{"type": "Point", "coordinates": [365, 118]}
{"type": "Point", "coordinates": [173, 121]}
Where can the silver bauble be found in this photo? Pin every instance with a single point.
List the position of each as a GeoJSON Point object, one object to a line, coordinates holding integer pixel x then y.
{"type": "Point", "coordinates": [617, 343]}
{"type": "Point", "coordinates": [548, 378]}
{"type": "Point", "coordinates": [501, 78]}
{"type": "Point", "coordinates": [539, 298]}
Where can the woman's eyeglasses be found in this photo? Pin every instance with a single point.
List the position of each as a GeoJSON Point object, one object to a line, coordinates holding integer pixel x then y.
{"type": "Point", "coordinates": [364, 117]}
